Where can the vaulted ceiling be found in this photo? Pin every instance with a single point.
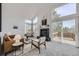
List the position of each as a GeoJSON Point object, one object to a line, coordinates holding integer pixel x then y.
{"type": "Point", "coordinates": [28, 10]}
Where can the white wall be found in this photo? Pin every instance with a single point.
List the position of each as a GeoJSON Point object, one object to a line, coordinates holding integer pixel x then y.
{"type": "Point", "coordinates": [11, 16]}
{"type": "Point", "coordinates": [16, 14]}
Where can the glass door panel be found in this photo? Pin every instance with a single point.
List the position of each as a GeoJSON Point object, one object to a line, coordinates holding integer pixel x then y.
{"type": "Point", "coordinates": [69, 32]}
{"type": "Point", "coordinates": [64, 31]}
{"type": "Point", "coordinates": [57, 29]}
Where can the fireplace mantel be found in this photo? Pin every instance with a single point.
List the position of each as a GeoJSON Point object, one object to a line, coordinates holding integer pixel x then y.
{"type": "Point", "coordinates": [44, 27]}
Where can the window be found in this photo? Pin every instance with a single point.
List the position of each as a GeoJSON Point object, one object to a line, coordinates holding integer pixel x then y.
{"type": "Point", "coordinates": [65, 10]}
{"type": "Point", "coordinates": [69, 23]}
{"type": "Point", "coordinates": [31, 25]}
{"type": "Point", "coordinates": [69, 26]}
{"type": "Point", "coordinates": [35, 20]}
{"type": "Point", "coordinates": [28, 21]}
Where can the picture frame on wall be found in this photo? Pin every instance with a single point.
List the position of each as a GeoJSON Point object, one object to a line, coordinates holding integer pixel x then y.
{"type": "Point", "coordinates": [44, 22]}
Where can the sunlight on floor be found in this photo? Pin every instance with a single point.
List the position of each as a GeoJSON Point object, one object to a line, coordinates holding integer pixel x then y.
{"type": "Point", "coordinates": [64, 40]}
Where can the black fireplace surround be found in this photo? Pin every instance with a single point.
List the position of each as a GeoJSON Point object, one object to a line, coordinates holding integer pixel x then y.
{"type": "Point", "coordinates": [45, 32]}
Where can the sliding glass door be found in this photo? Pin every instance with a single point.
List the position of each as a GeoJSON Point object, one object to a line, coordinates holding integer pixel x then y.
{"type": "Point", "coordinates": [69, 31]}
{"type": "Point", "coordinates": [63, 27]}
{"type": "Point", "coordinates": [64, 31]}
{"type": "Point", "coordinates": [57, 31]}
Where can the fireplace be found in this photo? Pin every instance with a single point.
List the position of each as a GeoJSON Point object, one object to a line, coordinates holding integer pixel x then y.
{"type": "Point", "coordinates": [45, 32]}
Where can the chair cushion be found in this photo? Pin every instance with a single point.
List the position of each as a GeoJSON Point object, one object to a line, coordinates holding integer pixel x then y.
{"type": "Point", "coordinates": [42, 39]}
{"type": "Point", "coordinates": [35, 39]}
{"type": "Point", "coordinates": [17, 38]}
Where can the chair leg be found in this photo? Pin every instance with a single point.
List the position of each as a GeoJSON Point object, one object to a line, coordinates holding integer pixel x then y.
{"type": "Point", "coordinates": [39, 47]}
{"type": "Point", "coordinates": [31, 44]}
{"type": "Point", "coordinates": [45, 44]}
{"type": "Point", "coordinates": [39, 50]}
{"type": "Point", "coordinates": [22, 48]}
{"type": "Point", "coordinates": [5, 54]}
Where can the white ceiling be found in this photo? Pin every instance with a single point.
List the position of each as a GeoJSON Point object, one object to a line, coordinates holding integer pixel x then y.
{"type": "Point", "coordinates": [29, 10]}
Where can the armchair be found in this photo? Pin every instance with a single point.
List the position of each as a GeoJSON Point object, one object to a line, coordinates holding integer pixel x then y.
{"type": "Point", "coordinates": [8, 40]}
{"type": "Point", "coordinates": [7, 43]}
{"type": "Point", "coordinates": [37, 42]}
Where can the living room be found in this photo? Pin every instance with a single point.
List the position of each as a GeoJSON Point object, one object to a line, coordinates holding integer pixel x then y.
{"type": "Point", "coordinates": [37, 18]}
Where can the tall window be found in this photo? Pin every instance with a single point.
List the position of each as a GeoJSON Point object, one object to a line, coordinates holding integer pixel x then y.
{"type": "Point", "coordinates": [29, 26]}
{"type": "Point", "coordinates": [35, 25]}
{"type": "Point", "coordinates": [67, 9]}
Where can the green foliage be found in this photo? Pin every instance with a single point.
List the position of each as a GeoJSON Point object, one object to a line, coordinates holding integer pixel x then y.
{"type": "Point", "coordinates": [57, 27]}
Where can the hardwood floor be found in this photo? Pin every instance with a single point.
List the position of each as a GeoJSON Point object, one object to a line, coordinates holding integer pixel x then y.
{"type": "Point", "coordinates": [53, 49]}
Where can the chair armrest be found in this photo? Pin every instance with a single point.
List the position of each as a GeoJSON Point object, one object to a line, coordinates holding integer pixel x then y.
{"type": "Point", "coordinates": [36, 40]}
{"type": "Point", "coordinates": [22, 40]}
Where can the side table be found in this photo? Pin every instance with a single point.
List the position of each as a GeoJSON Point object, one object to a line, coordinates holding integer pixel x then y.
{"type": "Point", "coordinates": [18, 45]}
